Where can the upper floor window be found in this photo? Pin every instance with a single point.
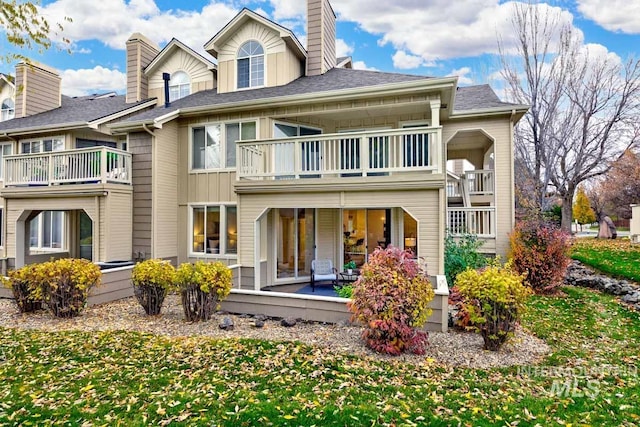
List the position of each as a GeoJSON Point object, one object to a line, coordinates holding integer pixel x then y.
{"type": "Point", "coordinates": [179, 86]}
{"type": "Point", "coordinates": [250, 65]}
{"type": "Point", "coordinates": [214, 146]}
{"type": "Point", "coordinates": [7, 109]}
{"type": "Point", "coordinates": [42, 145]}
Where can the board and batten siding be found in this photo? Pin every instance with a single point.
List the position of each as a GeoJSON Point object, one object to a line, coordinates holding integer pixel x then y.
{"type": "Point", "coordinates": [281, 65]}
{"type": "Point", "coordinates": [424, 205]}
{"type": "Point", "coordinates": [165, 184]}
{"type": "Point", "coordinates": [500, 129]}
{"type": "Point", "coordinates": [141, 150]}
{"type": "Point", "coordinates": [118, 227]}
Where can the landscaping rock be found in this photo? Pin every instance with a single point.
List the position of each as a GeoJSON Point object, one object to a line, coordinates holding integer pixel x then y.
{"type": "Point", "coordinates": [260, 317]}
{"type": "Point", "coordinates": [258, 323]}
{"type": "Point", "coordinates": [288, 322]}
{"type": "Point", "coordinates": [579, 275]}
{"type": "Point", "coordinates": [226, 324]}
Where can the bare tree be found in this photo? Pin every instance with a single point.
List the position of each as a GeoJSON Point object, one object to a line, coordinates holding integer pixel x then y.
{"type": "Point", "coordinates": [583, 105]}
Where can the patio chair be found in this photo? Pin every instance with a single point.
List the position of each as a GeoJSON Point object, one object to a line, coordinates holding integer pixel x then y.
{"type": "Point", "coordinates": [323, 270]}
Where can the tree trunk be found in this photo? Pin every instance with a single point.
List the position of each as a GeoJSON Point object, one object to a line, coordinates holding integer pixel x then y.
{"type": "Point", "coordinates": [567, 211]}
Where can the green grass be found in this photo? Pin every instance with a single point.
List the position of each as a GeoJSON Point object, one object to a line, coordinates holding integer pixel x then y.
{"type": "Point", "coordinates": [127, 378]}
{"type": "Point", "coordinates": [619, 258]}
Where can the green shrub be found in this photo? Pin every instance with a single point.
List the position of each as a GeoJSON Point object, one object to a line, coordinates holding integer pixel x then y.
{"type": "Point", "coordinates": [540, 251]}
{"type": "Point", "coordinates": [202, 286]}
{"type": "Point", "coordinates": [151, 280]}
{"type": "Point", "coordinates": [23, 283]}
{"type": "Point", "coordinates": [494, 299]}
{"type": "Point", "coordinates": [64, 284]}
{"type": "Point", "coordinates": [461, 254]}
{"type": "Point", "coordinates": [344, 291]}
{"type": "Point", "coordinates": [391, 299]}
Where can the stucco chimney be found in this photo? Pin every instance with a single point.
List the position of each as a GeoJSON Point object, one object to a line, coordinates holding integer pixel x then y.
{"type": "Point", "coordinates": [321, 37]}
{"type": "Point", "coordinates": [140, 53]}
{"type": "Point", "coordinates": [37, 89]}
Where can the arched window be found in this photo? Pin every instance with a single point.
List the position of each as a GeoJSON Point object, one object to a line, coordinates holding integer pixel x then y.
{"type": "Point", "coordinates": [250, 65]}
{"type": "Point", "coordinates": [7, 110]}
{"type": "Point", "coordinates": [179, 86]}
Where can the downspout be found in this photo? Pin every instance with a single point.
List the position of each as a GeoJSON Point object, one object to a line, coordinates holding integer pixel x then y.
{"type": "Point", "coordinates": [153, 189]}
{"type": "Point", "coordinates": [512, 163]}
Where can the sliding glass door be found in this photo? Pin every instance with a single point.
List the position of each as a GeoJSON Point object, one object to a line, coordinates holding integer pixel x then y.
{"type": "Point", "coordinates": [364, 230]}
{"type": "Point", "coordinates": [295, 242]}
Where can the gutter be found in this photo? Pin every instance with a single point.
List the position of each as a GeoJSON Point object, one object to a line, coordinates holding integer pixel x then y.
{"type": "Point", "coordinates": [97, 122]}
{"type": "Point", "coordinates": [37, 129]}
{"type": "Point", "coordinates": [493, 111]}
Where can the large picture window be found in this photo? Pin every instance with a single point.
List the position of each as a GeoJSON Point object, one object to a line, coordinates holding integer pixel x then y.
{"type": "Point", "coordinates": [42, 145]}
{"type": "Point", "coordinates": [214, 146]}
{"type": "Point", "coordinates": [250, 65]}
{"type": "Point", "coordinates": [46, 231]}
{"type": "Point", "coordinates": [214, 230]}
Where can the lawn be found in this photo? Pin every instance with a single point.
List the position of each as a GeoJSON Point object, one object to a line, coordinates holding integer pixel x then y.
{"type": "Point", "coordinates": [127, 378]}
{"type": "Point", "coordinates": [619, 258]}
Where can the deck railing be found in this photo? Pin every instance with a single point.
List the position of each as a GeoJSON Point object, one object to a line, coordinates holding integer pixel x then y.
{"type": "Point", "coordinates": [85, 165]}
{"type": "Point", "coordinates": [373, 153]}
{"type": "Point", "coordinates": [480, 221]}
{"type": "Point", "coordinates": [478, 183]}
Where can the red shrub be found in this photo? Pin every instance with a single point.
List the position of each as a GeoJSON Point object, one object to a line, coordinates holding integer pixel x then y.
{"type": "Point", "coordinates": [539, 250]}
{"type": "Point", "coordinates": [391, 298]}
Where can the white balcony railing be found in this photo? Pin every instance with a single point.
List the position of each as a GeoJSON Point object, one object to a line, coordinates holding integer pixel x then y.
{"type": "Point", "coordinates": [478, 221]}
{"type": "Point", "coordinates": [371, 153]}
{"type": "Point", "coordinates": [478, 183]}
{"type": "Point", "coordinates": [86, 165]}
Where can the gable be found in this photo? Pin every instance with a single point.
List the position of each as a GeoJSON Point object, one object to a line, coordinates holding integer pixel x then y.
{"type": "Point", "coordinates": [268, 38]}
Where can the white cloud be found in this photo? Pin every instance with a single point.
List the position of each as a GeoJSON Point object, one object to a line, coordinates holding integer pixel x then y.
{"type": "Point", "coordinates": [404, 61]}
{"type": "Point", "coordinates": [93, 80]}
{"type": "Point", "coordinates": [613, 15]}
{"type": "Point", "coordinates": [343, 48]}
{"type": "Point", "coordinates": [113, 21]}
{"type": "Point", "coordinates": [463, 75]}
{"type": "Point", "coordinates": [289, 9]}
{"type": "Point", "coordinates": [360, 65]}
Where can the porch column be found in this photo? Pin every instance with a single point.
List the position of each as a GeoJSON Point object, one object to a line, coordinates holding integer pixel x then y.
{"type": "Point", "coordinates": [435, 112]}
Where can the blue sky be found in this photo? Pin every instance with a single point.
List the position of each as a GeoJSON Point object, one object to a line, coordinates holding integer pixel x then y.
{"type": "Point", "coordinates": [427, 37]}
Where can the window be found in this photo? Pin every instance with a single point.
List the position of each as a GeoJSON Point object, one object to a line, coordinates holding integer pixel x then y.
{"type": "Point", "coordinates": [214, 230]}
{"type": "Point", "coordinates": [285, 153]}
{"type": "Point", "coordinates": [214, 146]}
{"type": "Point", "coordinates": [7, 109]}
{"type": "Point", "coordinates": [43, 145]}
{"type": "Point", "coordinates": [250, 65]}
{"type": "Point", "coordinates": [46, 230]}
{"type": "Point", "coordinates": [5, 150]}
{"type": "Point", "coordinates": [179, 86]}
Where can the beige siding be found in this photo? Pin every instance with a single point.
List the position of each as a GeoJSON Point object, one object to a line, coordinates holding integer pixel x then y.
{"type": "Point", "coordinates": [634, 226]}
{"type": "Point", "coordinates": [140, 53]}
{"type": "Point", "coordinates": [321, 37]}
{"type": "Point", "coordinates": [501, 131]}
{"type": "Point", "coordinates": [140, 148]}
{"type": "Point", "coordinates": [327, 234]}
{"type": "Point", "coordinates": [40, 90]}
{"type": "Point", "coordinates": [165, 183]}
{"type": "Point", "coordinates": [118, 226]}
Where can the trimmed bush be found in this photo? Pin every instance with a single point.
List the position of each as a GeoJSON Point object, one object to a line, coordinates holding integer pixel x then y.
{"type": "Point", "coordinates": [539, 250]}
{"type": "Point", "coordinates": [64, 284]}
{"type": "Point", "coordinates": [23, 283]}
{"type": "Point", "coordinates": [344, 291]}
{"type": "Point", "coordinates": [494, 298]}
{"type": "Point", "coordinates": [202, 286]}
{"type": "Point", "coordinates": [151, 280]}
{"type": "Point", "coordinates": [461, 254]}
{"type": "Point", "coordinates": [391, 298]}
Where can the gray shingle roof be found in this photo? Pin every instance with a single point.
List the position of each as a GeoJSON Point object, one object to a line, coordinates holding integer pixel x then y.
{"type": "Point", "coordinates": [74, 110]}
{"type": "Point", "coordinates": [478, 98]}
{"type": "Point", "coordinates": [334, 79]}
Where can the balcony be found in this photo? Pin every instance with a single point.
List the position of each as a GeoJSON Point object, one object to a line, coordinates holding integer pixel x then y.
{"type": "Point", "coordinates": [480, 221]}
{"type": "Point", "coordinates": [341, 155]}
{"type": "Point", "coordinates": [475, 182]}
{"type": "Point", "coordinates": [81, 166]}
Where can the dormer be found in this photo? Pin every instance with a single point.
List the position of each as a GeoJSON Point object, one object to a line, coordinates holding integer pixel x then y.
{"type": "Point", "coordinates": [189, 72]}
{"type": "Point", "coordinates": [254, 52]}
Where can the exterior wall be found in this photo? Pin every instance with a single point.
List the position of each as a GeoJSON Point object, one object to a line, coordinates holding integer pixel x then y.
{"type": "Point", "coordinates": [118, 219]}
{"type": "Point", "coordinates": [165, 186]}
{"type": "Point", "coordinates": [116, 284]}
{"type": "Point", "coordinates": [634, 226]}
{"type": "Point", "coordinates": [424, 205]}
{"type": "Point", "coordinates": [501, 130]}
{"type": "Point", "coordinates": [199, 74]}
{"type": "Point", "coordinates": [281, 65]}
{"type": "Point", "coordinates": [321, 37]}
{"type": "Point", "coordinates": [140, 53]}
{"type": "Point", "coordinates": [140, 148]}
{"type": "Point", "coordinates": [40, 89]}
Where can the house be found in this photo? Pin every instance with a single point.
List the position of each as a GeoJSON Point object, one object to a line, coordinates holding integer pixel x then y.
{"type": "Point", "coordinates": [268, 158]}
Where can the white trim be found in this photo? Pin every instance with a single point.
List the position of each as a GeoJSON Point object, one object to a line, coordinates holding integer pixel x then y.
{"type": "Point", "coordinates": [97, 122]}
{"type": "Point", "coordinates": [414, 123]}
{"type": "Point", "coordinates": [42, 139]}
{"type": "Point", "coordinates": [223, 144]}
{"type": "Point", "coordinates": [223, 236]}
{"type": "Point", "coordinates": [264, 66]}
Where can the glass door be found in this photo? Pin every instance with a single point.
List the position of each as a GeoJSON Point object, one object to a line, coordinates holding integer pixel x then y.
{"type": "Point", "coordinates": [364, 230]}
{"type": "Point", "coordinates": [296, 242]}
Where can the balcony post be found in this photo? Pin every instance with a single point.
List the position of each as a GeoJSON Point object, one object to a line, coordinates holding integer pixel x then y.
{"type": "Point", "coordinates": [103, 165]}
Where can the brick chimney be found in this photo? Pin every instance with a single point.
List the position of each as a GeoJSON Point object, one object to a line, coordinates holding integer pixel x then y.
{"type": "Point", "coordinates": [37, 89]}
{"type": "Point", "coordinates": [140, 53]}
{"type": "Point", "coordinates": [321, 37]}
